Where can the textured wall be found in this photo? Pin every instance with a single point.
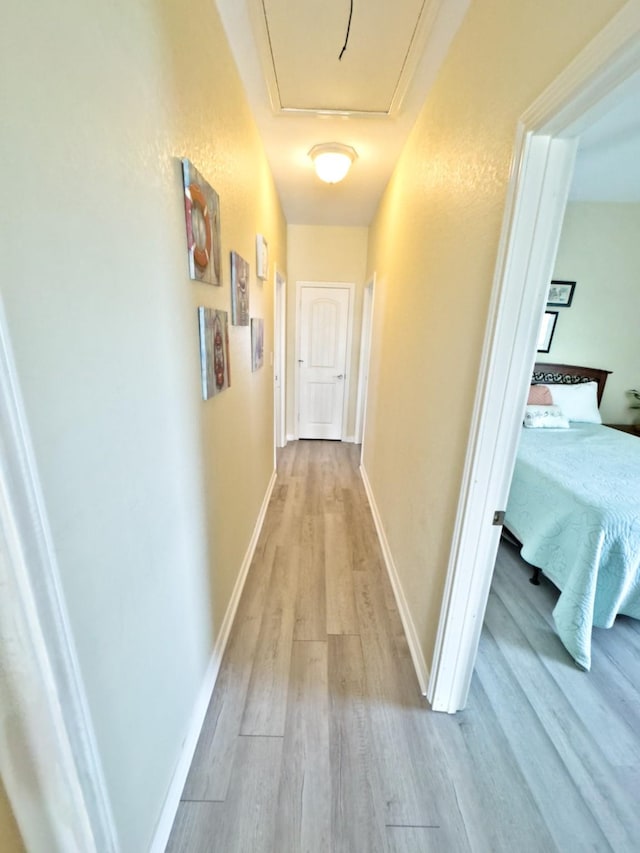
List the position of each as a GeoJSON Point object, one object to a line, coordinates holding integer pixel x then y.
{"type": "Point", "coordinates": [599, 250]}
{"type": "Point", "coordinates": [324, 253]}
{"type": "Point", "coordinates": [433, 244]}
{"type": "Point", "coordinates": [151, 493]}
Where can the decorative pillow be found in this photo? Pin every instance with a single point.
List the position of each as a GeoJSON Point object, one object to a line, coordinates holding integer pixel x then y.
{"type": "Point", "coordinates": [578, 402]}
{"type": "Point", "coordinates": [539, 395]}
{"type": "Point", "coordinates": [545, 417]}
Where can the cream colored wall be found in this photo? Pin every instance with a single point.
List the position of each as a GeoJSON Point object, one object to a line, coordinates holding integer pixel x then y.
{"type": "Point", "coordinates": [325, 253]}
{"type": "Point", "coordinates": [599, 250]}
{"type": "Point", "coordinates": [433, 245]}
{"type": "Point", "coordinates": [10, 841]}
{"type": "Point", "coordinates": [152, 494]}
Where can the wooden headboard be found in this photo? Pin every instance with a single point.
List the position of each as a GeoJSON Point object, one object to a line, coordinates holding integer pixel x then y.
{"type": "Point", "coordinates": [569, 374]}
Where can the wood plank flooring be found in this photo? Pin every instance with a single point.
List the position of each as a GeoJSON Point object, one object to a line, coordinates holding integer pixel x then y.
{"type": "Point", "coordinates": [317, 739]}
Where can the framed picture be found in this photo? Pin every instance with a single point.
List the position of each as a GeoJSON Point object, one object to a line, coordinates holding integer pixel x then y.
{"type": "Point", "coordinates": [257, 343]}
{"type": "Point", "coordinates": [560, 294]}
{"type": "Point", "coordinates": [239, 290]}
{"type": "Point", "coordinates": [262, 257]}
{"type": "Point", "coordinates": [214, 351]}
{"type": "Point", "coordinates": [547, 329]}
{"type": "Point", "coordinates": [202, 213]}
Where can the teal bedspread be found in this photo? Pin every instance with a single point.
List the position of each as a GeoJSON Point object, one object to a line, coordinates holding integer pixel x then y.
{"type": "Point", "coordinates": [574, 505]}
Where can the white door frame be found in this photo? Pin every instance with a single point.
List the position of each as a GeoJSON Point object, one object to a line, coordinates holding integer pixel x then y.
{"type": "Point", "coordinates": [541, 175]}
{"type": "Point", "coordinates": [280, 358]}
{"type": "Point", "coordinates": [365, 358]}
{"type": "Point", "coordinates": [49, 761]}
{"type": "Point", "coordinates": [350, 286]}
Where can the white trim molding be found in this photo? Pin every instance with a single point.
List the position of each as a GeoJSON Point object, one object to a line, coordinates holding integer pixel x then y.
{"type": "Point", "coordinates": [176, 786]}
{"type": "Point", "coordinates": [49, 761]}
{"type": "Point", "coordinates": [280, 359]}
{"type": "Point", "coordinates": [366, 333]}
{"type": "Point", "coordinates": [541, 175]}
{"type": "Point", "coordinates": [419, 663]}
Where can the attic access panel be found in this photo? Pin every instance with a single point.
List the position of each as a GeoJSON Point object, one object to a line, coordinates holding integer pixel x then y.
{"type": "Point", "coordinates": [302, 40]}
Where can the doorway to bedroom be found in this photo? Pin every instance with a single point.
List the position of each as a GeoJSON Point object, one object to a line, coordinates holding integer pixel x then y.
{"type": "Point", "coordinates": [569, 480]}
{"type": "Point", "coordinates": [540, 700]}
{"type": "Point", "coordinates": [543, 167]}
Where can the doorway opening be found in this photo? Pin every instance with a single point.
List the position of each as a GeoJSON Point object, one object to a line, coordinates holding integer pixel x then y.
{"type": "Point", "coordinates": [365, 358]}
{"type": "Point", "coordinates": [543, 163]}
{"type": "Point", "coordinates": [279, 361]}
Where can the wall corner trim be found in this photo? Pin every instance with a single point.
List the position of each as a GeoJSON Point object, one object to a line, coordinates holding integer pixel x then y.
{"type": "Point", "coordinates": [45, 722]}
{"type": "Point", "coordinates": [172, 799]}
{"type": "Point", "coordinates": [419, 663]}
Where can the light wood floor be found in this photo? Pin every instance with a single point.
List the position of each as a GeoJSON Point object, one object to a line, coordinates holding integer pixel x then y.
{"type": "Point", "coordinates": [317, 739]}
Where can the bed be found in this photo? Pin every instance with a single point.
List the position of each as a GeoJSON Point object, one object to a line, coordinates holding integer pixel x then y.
{"type": "Point", "coordinates": [574, 508]}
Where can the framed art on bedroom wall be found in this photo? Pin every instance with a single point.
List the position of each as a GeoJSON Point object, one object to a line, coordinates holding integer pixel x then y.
{"type": "Point", "coordinates": [547, 329]}
{"type": "Point", "coordinates": [560, 294]}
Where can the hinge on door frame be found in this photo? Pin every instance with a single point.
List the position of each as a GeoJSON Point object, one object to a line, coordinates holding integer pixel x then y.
{"type": "Point", "coordinates": [498, 518]}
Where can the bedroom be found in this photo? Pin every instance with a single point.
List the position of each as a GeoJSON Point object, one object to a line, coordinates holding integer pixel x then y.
{"type": "Point", "coordinates": [573, 735]}
{"type": "Point", "coordinates": [598, 250]}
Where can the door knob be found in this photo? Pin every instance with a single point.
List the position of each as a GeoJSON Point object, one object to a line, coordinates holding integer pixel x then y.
{"type": "Point", "coordinates": [339, 376]}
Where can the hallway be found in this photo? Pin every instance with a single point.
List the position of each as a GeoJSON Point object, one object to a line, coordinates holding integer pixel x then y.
{"type": "Point", "coordinates": [317, 739]}
{"type": "Point", "coordinates": [312, 735]}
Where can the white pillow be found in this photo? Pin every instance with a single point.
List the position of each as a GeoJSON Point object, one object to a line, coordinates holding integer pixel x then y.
{"type": "Point", "coordinates": [545, 417]}
{"type": "Point", "coordinates": [578, 402]}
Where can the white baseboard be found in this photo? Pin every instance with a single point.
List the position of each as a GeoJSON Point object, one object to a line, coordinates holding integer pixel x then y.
{"type": "Point", "coordinates": [172, 800]}
{"type": "Point", "coordinates": [348, 439]}
{"type": "Point", "coordinates": [291, 437]}
{"type": "Point", "coordinates": [419, 663]}
{"type": "Point", "coordinates": [176, 786]}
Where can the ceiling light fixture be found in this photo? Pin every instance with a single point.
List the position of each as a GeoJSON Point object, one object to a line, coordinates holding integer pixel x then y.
{"type": "Point", "coordinates": [332, 161]}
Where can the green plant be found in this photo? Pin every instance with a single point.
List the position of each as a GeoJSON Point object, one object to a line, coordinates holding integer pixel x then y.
{"type": "Point", "coordinates": [634, 397]}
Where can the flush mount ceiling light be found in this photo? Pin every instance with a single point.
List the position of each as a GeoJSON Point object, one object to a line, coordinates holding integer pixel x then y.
{"type": "Point", "coordinates": [332, 161]}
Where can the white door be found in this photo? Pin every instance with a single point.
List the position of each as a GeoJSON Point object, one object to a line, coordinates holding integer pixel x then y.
{"type": "Point", "coordinates": [324, 313]}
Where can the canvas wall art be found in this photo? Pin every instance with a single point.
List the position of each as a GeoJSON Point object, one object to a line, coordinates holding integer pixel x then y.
{"type": "Point", "coordinates": [214, 351]}
{"type": "Point", "coordinates": [239, 290]}
{"type": "Point", "coordinates": [262, 257]}
{"type": "Point", "coordinates": [257, 343]}
{"type": "Point", "coordinates": [202, 213]}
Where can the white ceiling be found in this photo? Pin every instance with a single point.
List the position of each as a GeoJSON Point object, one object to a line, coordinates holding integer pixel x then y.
{"type": "Point", "coordinates": [301, 94]}
{"type": "Point", "coordinates": [608, 159]}
{"type": "Point", "coordinates": [304, 42]}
